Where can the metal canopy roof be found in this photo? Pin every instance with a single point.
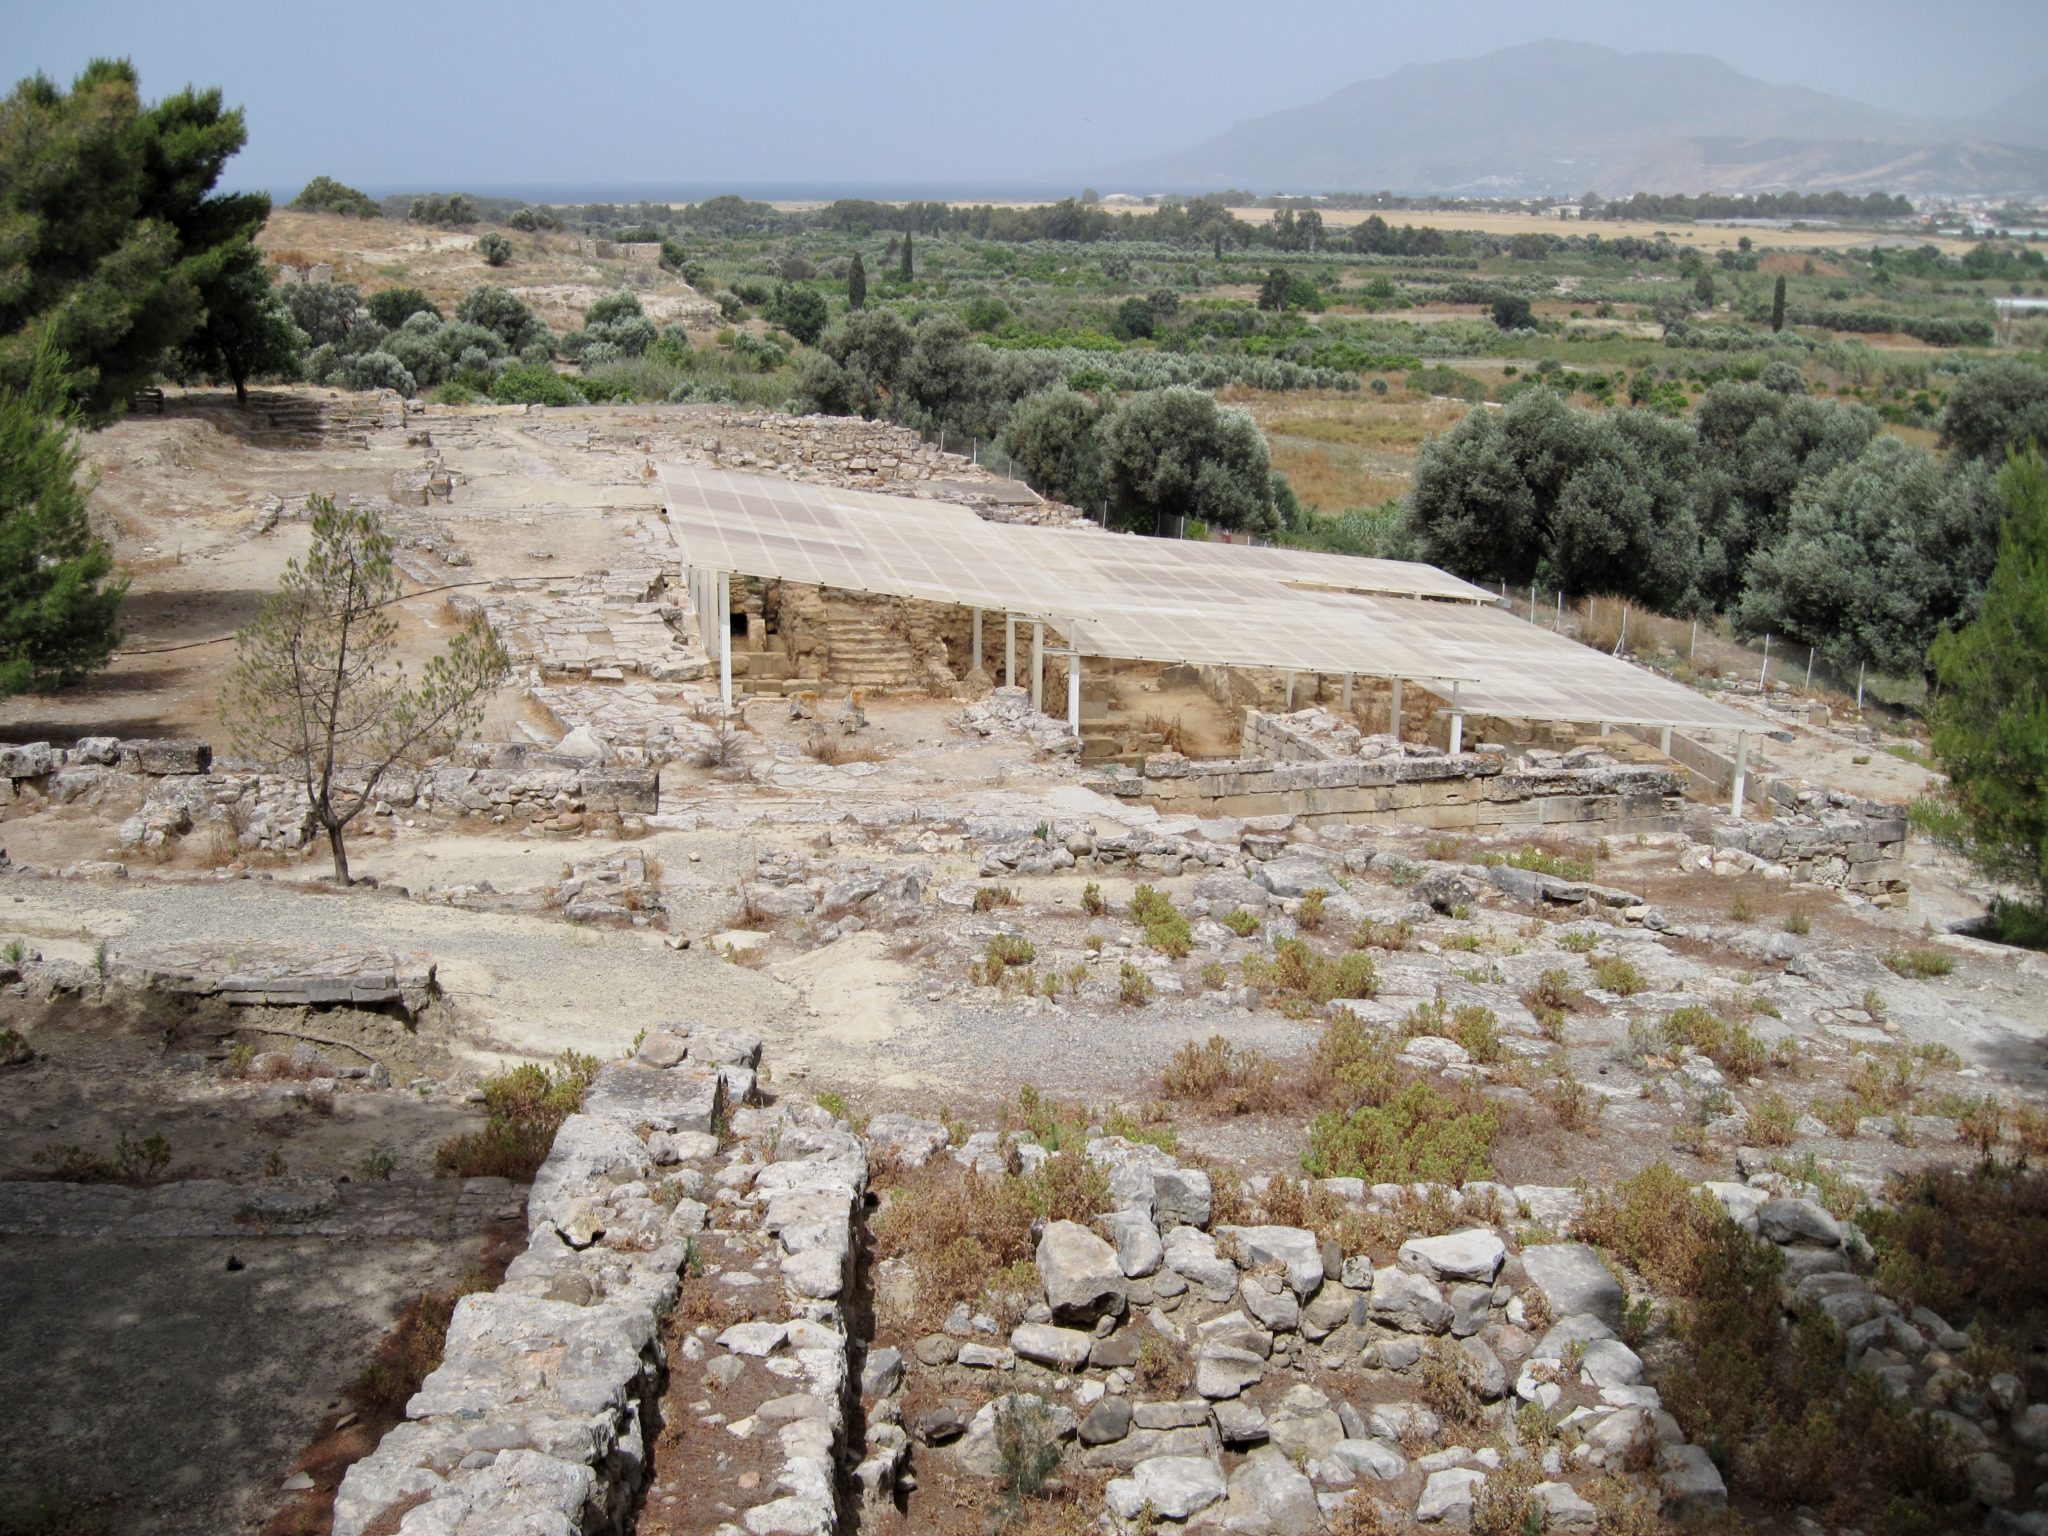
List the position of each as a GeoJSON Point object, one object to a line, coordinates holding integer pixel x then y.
{"type": "Point", "coordinates": [1172, 600]}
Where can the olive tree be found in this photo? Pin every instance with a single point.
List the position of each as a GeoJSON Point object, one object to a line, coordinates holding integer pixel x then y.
{"type": "Point", "coordinates": [1177, 453]}
{"type": "Point", "coordinates": [318, 683]}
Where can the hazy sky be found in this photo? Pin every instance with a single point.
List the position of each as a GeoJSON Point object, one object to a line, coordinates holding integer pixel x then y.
{"type": "Point", "coordinates": [449, 94]}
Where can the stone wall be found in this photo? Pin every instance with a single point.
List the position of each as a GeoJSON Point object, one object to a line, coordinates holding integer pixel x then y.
{"type": "Point", "coordinates": [1828, 839]}
{"type": "Point", "coordinates": [1415, 786]}
{"type": "Point", "coordinates": [175, 790]}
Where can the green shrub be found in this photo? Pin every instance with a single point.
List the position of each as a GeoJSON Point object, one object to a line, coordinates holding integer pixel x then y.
{"type": "Point", "coordinates": [523, 1108]}
{"type": "Point", "coordinates": [1166, 930]}
{"type": "Point", "coordinates": [530, 385]}
{"type": "Point", "coordinates": [495, 249]}
{"type": "Point", "coordinates": [1134, 987]}
{"type": "Point", "coordinates": [1421, 1133]}
{"type": "Point", "coordinates": [1612, 973]}
{"type": "Point", "coordinates": [1734, 1048]}
{"type": "Point", "coordinates": [1918, 962]}
{"type": "Point", "coordinates": [1241, 923]}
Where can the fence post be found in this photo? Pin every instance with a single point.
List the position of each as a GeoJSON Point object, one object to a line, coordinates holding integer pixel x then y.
{"type": "Point", "coordinates": [1532, 602]}
{"type": "Point", "coordinates": [1859, 687]}
{"type": "Point", "coordinates": [1763, 680]}
{"type": "Point", "coordinates": [1560, 610]}
{"type": "Point", "coordinates": [1693, 650]}
{"type": "Point", "coordinates": [1809, 669]}
{"type": "Point", "coordinates": [1624, 635]}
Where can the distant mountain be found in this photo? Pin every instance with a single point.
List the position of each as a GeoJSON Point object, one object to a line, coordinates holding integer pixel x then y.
{"type": "Point", "coordinates": [1562, 118]}
{"type": "Point", "coordinates": [2021, 118]}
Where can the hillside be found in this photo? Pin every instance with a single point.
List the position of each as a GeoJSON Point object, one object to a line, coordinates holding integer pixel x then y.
{"type": "Point", "coordinates": [1565, 117]}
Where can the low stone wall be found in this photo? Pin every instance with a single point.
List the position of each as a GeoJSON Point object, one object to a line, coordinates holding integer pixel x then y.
{"type": "Point", "coordinates": [1469, 793]}
{"type": "Point", "coordinates": [176, 790]}
{"type": "Point", "coordinates": [1832, 839]}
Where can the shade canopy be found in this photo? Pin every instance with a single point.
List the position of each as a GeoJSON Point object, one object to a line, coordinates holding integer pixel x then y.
{"type": "Point", "coordinates": [1172, 600]}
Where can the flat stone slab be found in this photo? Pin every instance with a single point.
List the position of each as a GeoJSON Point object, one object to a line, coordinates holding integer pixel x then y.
{"type": "Point", "coordinates": [1574, 1281]}
{"type": "Point", "coordinates": [280, 976]}
{"type": "Point", "coordinates": [685, 1098]}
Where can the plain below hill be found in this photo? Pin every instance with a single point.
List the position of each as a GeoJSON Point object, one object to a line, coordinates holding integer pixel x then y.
{"type": "Point", "coordinates": [1562, 118]}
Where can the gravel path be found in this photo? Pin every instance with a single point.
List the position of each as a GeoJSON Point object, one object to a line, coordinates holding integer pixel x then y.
{"type": "Point", "coordinates": [523, 984]}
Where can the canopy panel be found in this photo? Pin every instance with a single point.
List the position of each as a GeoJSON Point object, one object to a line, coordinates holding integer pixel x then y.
{"type": "Point", "coordinates": [1173, 600]}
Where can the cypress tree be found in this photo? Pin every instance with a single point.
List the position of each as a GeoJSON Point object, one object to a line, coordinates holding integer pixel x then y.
{"type": "Point", "coordinates": [1778, 306]}
{"type": "Point", "coordinates": [905, 272]}
{"type": "Point", "coordinates": [856, 284]}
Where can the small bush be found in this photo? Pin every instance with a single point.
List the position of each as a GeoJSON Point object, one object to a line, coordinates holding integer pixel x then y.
{"type": "Point", "coordinates": [1011, 949]}
{"type": "Point", "coordinates": [1309, 917]}
{"type": "Point", "coordinates": [989, 897]}
{"type": "Point", "coordinates": [1577, 941]}
{"type": "Point", "coordinates": [1395, 936]}
{"type": "Point", "coordinates": [495, 249]}
{"type": "Point", "coordinates": [1241, 923]}
{"type": "Point", "coordinates": [1091, 900]}
{"type": "Point", "coordinates": [1734, 1048]}
{"type": "Point", "coordinates": [1297, 972]}
{"type": "Point", "coordinates": [534, 384]}
{"type": "Point", "coordinates": [15, 1050]}
{"type": "Point", "coordinates": [1225, 1078]}
{"type": "Point", "coordinates": [135, 1160]}
{"type": "Point", "coordinates": [1918, 963]}
{"type": "Point", "coordinates": [1134, 987]}
{"type": "Point", "coordinates": [1571, 1103]}
{"type": "Point", "coordinates": [1166, 930]}
{"type": "Point", "coordinates": [523, 1109]}
{"type": "Point", "coordinates": [1613, 973]}
{"type": "Point", "coordinates": [1772, 1121]}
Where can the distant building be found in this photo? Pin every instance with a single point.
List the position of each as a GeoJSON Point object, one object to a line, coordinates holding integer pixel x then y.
{"type": "Point", "coordinates": [1567, 211]}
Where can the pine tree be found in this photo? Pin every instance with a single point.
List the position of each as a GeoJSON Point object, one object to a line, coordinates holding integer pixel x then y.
{"type": "Point", "coordinates": [1991, 715]}
{"type": "Point", "coordinates": [247, 332]}
{"type": "Point", "coordinates": [1778, 306]}
{"type": "Point", "coordinates": [906, 271]}
{"type": "Point", "coordinates": [856, 284]}
{"type": "Point", "coordinates": [111, 231]}
{"type": "Point", "coordinates": [58, 611]}
{"type": "Point", "coordinates": [317, 683]}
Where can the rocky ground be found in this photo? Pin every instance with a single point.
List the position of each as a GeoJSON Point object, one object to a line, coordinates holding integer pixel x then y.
{"type": "Point", "coordinates": [939, 925]}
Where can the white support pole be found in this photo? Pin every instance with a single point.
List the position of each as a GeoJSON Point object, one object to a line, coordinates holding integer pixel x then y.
{"type": "Point", "coordinates": [1457, 723]}
{"type": "Point", "coordinates": [1859, 687]}
{"type": "Point", "coordinates": [1074, 693]}
{"type": "Point", "coordinates": [1560, 610]}
{"type": "Point", "coordinates": [1394, 712]}
{"type": "Point", "coordinates": [1290, 692]}
{"type": "Point", "coordinates": [1664, 741]}
{"type": "Point", "coordinates": [1741, 771]}
{"type": "Point", "coordinates": [1809, 669]}
{"type": "Point", "coordinates": [1763, 677]}
{"type": "Point", "coordinates": [977, 639]}
{"type": "Point", "coordinates": [1694, 649]}
{"type": "Point", "coordinates": [1347, 690]}
{"type": "Point", "coordinates": [1606, 729]}
{"type": "Point", "coordinates": [1038, 664]}
{"type": "Point", "coordinates": [1009, 650]}
{"type": "Point", "coordinates": [723, 619]}
{"type": "Point", "coordinates": [1532, 602]}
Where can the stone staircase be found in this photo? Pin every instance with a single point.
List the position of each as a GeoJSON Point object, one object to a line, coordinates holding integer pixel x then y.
{"type": "Point", "coordinates": [864, 654]}
{"type": "Point", "coordinates": [277, 420]}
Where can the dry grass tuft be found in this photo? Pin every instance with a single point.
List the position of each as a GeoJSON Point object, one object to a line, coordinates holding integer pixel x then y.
{"type": "Point", "coordinates": [960, 1231]}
